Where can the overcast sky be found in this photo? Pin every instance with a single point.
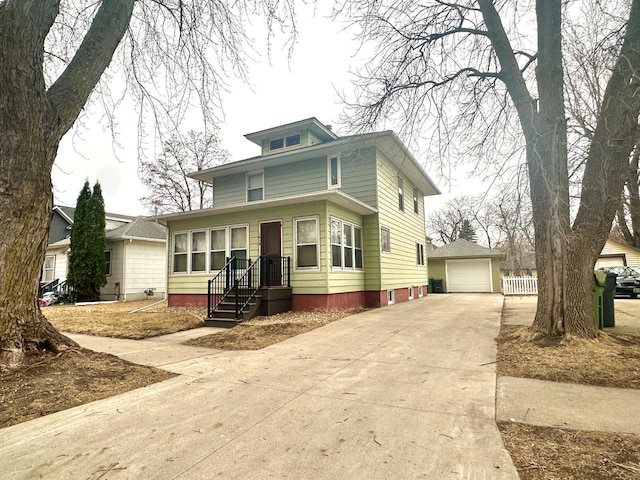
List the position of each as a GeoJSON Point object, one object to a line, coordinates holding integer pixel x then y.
{"type": "Point", "coordinates": [279, 93]}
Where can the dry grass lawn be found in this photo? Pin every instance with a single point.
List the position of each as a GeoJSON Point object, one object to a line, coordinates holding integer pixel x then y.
{"type": "Point", "coordinates": [114, 319]}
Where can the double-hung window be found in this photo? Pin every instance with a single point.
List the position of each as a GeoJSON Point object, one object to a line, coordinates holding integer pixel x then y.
{"type": "Point", "coordinates": [48, 268]}
{"type": "Point", "coordinates": [107, 257]}
{"type": "Point", "coordinates": [346, 245]}
{"type": "Point", "coordinates": [180, 252]}
{"type": "Point", "coordinates": [307, 248]}
{"type": "Point", "coordinates": [218, 248]}
{"type": "Point", "coordinates": [385, 239]}
{"type": "Point", "coordinates": [333, 170]}
{"type": "Point", "coordinates": [419, 253]}
{"type": "Point", "coordinates": [238, 242]}
{"type": "Point", "coordinates": [255, 186]}
{"type": "Point", "coordinates": [199, 251]}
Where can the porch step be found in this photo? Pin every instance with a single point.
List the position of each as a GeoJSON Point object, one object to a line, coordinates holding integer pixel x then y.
{"type": "Point", "coordinates": [221, 322]}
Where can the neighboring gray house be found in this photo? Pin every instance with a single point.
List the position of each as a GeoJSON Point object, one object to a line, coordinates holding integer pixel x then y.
{"type": "Point", "coordinates": [466, 267]}
{"type": "Point", "coordinates": [136, 255]}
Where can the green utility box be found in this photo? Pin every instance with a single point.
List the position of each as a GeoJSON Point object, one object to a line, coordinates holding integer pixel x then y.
{"type": "Point", "coordinates": [599, 284]}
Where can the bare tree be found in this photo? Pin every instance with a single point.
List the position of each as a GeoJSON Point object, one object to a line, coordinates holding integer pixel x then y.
{"type": "Point", "coordinates": [170, 55]}
{"type": "Point", "coordinates": [477, 58]}
{"type": "Point", "coordinates": [171, 189]}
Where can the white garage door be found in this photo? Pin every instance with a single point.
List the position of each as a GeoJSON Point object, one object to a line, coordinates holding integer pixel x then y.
{"type": "Point", "coordinates": [613, 261]}
{"type": "Point", "coordinates": [468, 275]}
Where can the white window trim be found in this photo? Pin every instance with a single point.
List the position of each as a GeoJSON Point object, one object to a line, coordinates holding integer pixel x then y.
{"type": "Point", "coordinates": [284, 141]}
{"type": "Point", "coordinates": [191, 252]}
{"type": "Point", "coordinates": [339, 166]}
{"type": "Point", "coordinates": [411, 296]}
{"type": "Point", "coordinates": [207, 251]}
{"type": "Point", "coordinates": [173, 252]}
{"type": "Point", "coordinates": [382, 227]}
{"type": "Point", "coordinates": [416, 200]}
{"type": "Point", "coordinates": [353, 227]}
{"type": "Point", "coordinates": [295, 245]}
{"type": "Point", "coordinates": [420, 291]}
{"type": "Point", "coordinates": [246, 186]}
{"type": "Point", "coordinates": [391, 297]}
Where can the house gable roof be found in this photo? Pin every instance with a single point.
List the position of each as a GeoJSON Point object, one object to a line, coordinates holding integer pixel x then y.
{"type": "Point", "coordinates": [68, 213]}
{"type": "Point", "coordinates": [139, 229]}
{"type": "Point", "coordinates": [462, 248]}
{"type": "Point", "coordinates": [387, 142]}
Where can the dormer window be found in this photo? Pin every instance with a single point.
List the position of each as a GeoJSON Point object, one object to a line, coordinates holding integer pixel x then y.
{"type": "Point", "coordinates": [289, 141]}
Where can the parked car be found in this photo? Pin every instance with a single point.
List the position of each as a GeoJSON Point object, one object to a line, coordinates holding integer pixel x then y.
{"type": "Point", "coordinates": [627, 280]}
{"type": "Point", "coordinates": [48, 298]}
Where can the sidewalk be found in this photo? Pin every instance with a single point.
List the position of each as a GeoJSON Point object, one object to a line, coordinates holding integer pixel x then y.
{"type": "Point", "coordinates": [406, 391]}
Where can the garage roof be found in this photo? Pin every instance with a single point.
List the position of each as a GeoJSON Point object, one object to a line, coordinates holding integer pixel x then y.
{"type": "Point", "coordinates": [462, 248]}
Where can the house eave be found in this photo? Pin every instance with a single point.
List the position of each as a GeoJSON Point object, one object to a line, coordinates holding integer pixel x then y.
{"type": "Point", "coordinates": [333, 196]}
{"type": "Point", "coordinates": [387, 141]}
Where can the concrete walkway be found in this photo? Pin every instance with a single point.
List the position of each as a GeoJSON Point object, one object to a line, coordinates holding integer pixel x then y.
{"type": "Point", "coordinates": [403, 392]}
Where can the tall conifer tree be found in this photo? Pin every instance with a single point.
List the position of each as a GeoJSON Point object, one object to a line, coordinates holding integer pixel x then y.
{"type": "Point", "coordinates": [87, 263]}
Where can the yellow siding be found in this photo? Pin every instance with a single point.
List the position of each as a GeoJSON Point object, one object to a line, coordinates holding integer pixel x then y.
{"type": "Point", "coordinates": [310, 281]}
{"type": "Point", "coordinates": [631, 254]}
{"type": "Point", "coordinates": [343, 280]}
{"type": "Point", "coordinates": [399, 267]}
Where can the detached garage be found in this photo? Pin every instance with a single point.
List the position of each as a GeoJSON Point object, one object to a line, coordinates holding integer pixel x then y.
{"type": "Point", "coordinates": [618, 254]}
{"type": "Point", "coordinates": [466, 267]}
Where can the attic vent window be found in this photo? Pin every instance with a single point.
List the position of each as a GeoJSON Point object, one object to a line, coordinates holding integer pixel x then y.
{"type": "Point", "coordinates": [289, 141]}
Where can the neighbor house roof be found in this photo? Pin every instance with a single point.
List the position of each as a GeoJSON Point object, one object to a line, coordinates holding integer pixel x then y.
{"type": "Point", "coordinates": [139, 229]}
{"type": "Point", "coordinates": [68, 213]}
{"type": "Point", "coordinates": [462, 248]}
{"type": "Point", "coordinates": [387, 142]}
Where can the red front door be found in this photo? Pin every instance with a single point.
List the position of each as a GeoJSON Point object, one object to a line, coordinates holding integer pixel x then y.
{"type": "Point", "coordinates": [271, 252]}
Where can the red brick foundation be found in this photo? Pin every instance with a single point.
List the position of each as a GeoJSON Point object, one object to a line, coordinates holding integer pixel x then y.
{"type": "Point", "coordinates": [187, 300]}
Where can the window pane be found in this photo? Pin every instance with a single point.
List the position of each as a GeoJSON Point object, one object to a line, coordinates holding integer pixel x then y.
{"type": "Point", "coordinates": [255, 181]}
{"type": "Point", "coordinates": [49, 261]}
{"type": "Point", "coordinates": [217, 260]}
{"type": "Point", "coordinates": [254, 195]}
{"type": "Point", "coordinates": [336, 256]}
{"type": "Point", "coordinates": [293, 140]}
{"type": "Point", "coordinates": [348, 257]}
{"type": "Point", "coordinates": [180, 263]}
{"type": "Point", "coordinates": [239, 254]}
{"type": "Point", "coordinates": [334, 170]}
{"type": "Point", "coordinates": [198, 262]}
{"type": "Point", "coordinates": [306, 231]}
{"type": "Point", "coordinates": [198, 242]}
{"type": "Point", "coordinates": [335, 232]}
{"type": "Point", "coordinates": [348, 235]}
{"type": "Point", "coordinates": [385, 240]}
{"type": "Point", "coordinates": [306, 256]}
{"type": "Point", "coordinates": [107, 257]}
{"type": "Point", "coordinates": [238, 238]}
{"type": "Point", "coordinates": [358, 258]}
{"type": "Point", "coordinates": [180, 243]}
{"type": "Point", "coordinates": [217, 240]}
{"type": "Point", "coordinates": [275, 144]}
{"type": "Point", "coordinates": [357, 233]}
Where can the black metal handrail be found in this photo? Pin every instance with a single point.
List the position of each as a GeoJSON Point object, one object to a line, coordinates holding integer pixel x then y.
{"type": "Point", "coordinates": [247, 286]}
{"type": "Point", "coordinates": [275, 271]}
{"type": "Point", "coordinates": [222, 284]}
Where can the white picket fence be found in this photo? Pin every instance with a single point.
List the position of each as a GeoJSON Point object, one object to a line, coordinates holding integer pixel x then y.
{"type": "Point", "coordinates": [520, 285]}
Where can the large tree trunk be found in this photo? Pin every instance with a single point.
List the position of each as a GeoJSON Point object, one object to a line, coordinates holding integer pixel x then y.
{"type": "Point", "coordinates": [32, 122]}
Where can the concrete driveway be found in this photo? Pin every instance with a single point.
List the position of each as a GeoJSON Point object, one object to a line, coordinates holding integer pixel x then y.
{"type": "Point", "coordinates": [402, 392]}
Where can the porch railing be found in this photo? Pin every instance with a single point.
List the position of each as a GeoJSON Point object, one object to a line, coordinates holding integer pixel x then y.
{"type": "Point", "coordinates": [240, 278]}
{"type": "Point", "coordinates": [221, 286]}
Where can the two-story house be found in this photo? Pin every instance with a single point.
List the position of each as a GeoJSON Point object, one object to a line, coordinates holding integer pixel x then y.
{"type": "Point", "coordinates": [345, 215]}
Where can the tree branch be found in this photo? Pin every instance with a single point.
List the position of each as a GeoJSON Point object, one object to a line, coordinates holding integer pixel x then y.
{"type": "Point", "coordinates": [70, 92]}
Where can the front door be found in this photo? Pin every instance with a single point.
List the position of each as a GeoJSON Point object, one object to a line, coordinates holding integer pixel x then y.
{"type": "Point", "coordinates": [271, 251]}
